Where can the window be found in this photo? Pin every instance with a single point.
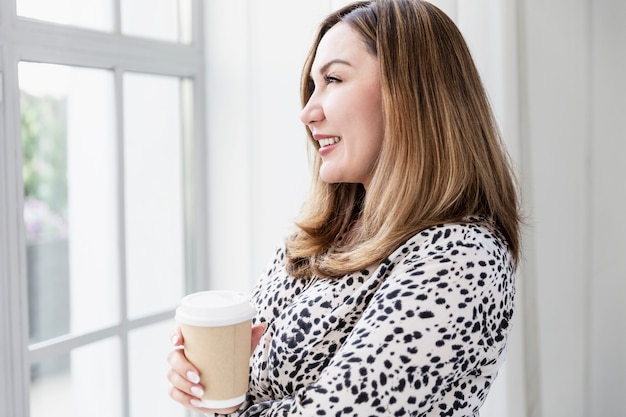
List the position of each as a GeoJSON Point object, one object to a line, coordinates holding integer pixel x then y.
{"type": "Point", "coordinates": [101, 191]}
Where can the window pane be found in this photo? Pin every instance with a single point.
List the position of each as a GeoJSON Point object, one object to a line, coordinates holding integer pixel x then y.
{"type": "Point", "coordinates": [154, 196]}
{"type": "Point", "coordinates": [148, 348]}
{"type": "Point", "coordinates": [167, 20]}
{"type": "Point", "coordinates": [86, 381]}
{"type": "Point", "coordinates": [91, 14]}
{"type": "Point", "coordinates": [70, 200]}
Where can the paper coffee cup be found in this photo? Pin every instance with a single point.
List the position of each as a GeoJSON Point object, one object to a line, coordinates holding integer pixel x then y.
{"type": "Point", "coordinates": [216, 328]}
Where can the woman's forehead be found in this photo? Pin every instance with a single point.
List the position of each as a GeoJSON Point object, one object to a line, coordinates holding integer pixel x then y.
{"type": "Point", "coordinates": [340, 43]}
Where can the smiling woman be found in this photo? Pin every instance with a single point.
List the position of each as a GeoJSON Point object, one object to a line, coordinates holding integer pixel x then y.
{"type": "Point", "coordinates": [393, 294]}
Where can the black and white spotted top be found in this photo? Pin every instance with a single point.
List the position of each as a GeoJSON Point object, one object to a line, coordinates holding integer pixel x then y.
{"type": "Point", "coordinates": [421, 334]}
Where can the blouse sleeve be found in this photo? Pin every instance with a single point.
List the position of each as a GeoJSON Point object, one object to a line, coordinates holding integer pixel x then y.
{"type": "Point", "coordinates": [433, 335]}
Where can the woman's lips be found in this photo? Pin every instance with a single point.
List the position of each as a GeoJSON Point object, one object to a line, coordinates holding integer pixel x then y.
{"type": "Point", "coordinates": [328, 144]}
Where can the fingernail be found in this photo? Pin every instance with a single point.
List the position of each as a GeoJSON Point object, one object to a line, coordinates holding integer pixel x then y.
{"type": "Point", "coordinates": [197, 391]}
{"type": "Point", "coordinates": [193, 377]}
{"type": "Point", "coordinates": [196, 403]}
{"type": "Point", "coordinates": [175, 339]}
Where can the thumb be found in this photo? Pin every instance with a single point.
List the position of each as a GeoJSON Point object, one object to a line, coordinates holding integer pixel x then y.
{"type": "Point", "coordinates": [257, 333]}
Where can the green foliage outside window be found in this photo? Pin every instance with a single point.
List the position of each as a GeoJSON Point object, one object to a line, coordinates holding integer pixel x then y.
{"type": "Point", "coordinates": [44, 150]}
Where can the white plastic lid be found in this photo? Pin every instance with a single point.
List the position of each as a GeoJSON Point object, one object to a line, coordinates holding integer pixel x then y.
{"type": "Point", "coordinates": [214, 308]}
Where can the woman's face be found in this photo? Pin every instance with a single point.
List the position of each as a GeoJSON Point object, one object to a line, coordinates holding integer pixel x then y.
{"type": "Point", "coordinates": [344, 113]}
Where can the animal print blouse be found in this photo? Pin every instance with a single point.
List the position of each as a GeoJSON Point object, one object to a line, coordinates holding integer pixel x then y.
{"type": "Point", "coordinates": [422, 334]}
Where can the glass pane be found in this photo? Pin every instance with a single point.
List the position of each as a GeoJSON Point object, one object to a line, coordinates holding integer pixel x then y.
{"type": "Point", "coordinates": [153, 157]}
{"type": "Point", "coordinates": [91, 14]}
{"type": "Point", "coordinates": [70, 200]}
{"type": "Point", "coordinates": [167, 20]}
{"type": "Point", "coordinates": [86, 381]}
{"type": "Point", "coordinates": [147, 349]}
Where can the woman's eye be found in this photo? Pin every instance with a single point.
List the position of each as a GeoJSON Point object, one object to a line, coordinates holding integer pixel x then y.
{"type": "Point", "coordinates": [331, 79]}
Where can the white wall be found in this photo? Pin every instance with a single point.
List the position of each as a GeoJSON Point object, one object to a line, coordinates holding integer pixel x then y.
{"type": "Point", "coordinates": [607, 273]}
{"type": "Point", "coordinates": [574, 66]}
{"type": "Point", "coordinates": [557, 125]}
{"type": "Point", "coordinates": [554, 71]}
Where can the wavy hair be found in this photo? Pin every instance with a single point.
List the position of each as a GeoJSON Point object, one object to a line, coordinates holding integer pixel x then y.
{"type": "Point", "coordinates": [442, 157]}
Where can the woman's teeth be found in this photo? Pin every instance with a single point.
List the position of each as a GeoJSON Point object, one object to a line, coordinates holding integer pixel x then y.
{"type": "Point", "coordinates": [329, 141]}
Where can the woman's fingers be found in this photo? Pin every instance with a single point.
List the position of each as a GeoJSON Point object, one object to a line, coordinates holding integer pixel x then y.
{"type": "Point", "coordinates": [178, 361]}
{"type": "Point", "coordinates": [194, 403]}
{"type": "Point", "coordinates": [182, 372]}
{"type": "Point", "coordinates": [177, 337]}
{"type": "Point", "coordinates": [257, 333]}
{"type": "Point", "coordinates": [184, 378]}
{"type": "Point", "coordinates": [184, 385]}
{"type": "Point", "coordinates": [189, 395]}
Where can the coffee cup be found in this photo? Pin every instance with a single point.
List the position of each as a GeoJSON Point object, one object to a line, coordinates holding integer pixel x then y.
{"type": "Point", "coordinates": [216, 328]}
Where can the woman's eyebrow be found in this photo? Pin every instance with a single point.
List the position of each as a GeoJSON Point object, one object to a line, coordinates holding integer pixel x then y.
{"type": "Point", "coordinates": [325, 67]}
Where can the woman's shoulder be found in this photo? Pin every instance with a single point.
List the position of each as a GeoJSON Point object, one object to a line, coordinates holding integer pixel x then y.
{"type": "Point", "coordinates": [472, 240]}
{"type": "Point", "coordinates": [471, 230]}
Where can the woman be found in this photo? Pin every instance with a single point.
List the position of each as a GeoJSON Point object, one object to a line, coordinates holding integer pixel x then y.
{"type": "Point", "coordinates": [395, 293]}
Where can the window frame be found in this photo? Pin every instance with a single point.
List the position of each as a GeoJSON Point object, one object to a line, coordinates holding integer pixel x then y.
{"type": "Point", "coordinates": [23, 39]}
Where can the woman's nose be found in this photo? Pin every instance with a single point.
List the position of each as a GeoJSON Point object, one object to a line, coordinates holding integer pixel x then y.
{"type": "Point", "coordinates": [312, 112]}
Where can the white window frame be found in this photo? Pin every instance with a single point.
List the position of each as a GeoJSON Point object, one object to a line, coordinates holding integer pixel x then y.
{"type": "Point", "coordinates": [29, 40]}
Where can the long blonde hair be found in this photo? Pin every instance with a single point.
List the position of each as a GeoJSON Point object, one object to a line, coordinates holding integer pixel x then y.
{"type": "Point", "coordinates": [442, 158]}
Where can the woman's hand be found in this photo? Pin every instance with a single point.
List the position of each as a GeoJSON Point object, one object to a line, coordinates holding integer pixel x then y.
{"type": "Point", "coordinates": [184, 377]}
